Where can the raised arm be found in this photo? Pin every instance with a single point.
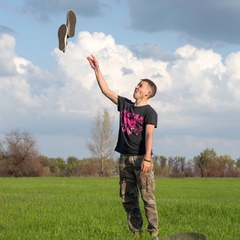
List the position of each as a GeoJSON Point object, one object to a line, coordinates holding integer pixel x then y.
{"type": "Point", "coordinates": [101, 81]}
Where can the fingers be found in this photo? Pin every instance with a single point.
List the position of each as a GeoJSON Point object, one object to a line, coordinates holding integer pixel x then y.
{"type": "Point", "coordinates": [92, 61]}
{"type": "Point", "coordinates": [145, 167]}
{"type": "Point", "coordinates": [91, 57]}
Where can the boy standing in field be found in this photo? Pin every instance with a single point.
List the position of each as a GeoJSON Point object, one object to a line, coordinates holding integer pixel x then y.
{"type": "Point", "coordinates": [137, 123]}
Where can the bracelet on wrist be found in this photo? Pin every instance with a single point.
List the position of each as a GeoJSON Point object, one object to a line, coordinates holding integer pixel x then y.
{"type": "Point", "coordinates": [94, 67]}
{"type": "Point", "coordinates": [146, 160]}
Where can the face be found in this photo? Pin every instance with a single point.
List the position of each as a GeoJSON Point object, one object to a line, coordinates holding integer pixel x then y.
{"type": "Point", "coordinates": [141, 90]}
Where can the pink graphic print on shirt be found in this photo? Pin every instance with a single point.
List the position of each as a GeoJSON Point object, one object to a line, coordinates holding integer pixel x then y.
{"type": "Point", "coordinates": [131, 122]}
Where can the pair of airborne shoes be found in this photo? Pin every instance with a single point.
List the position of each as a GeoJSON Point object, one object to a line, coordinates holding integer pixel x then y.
{"type": "Point", "coordinates": [67, 30]}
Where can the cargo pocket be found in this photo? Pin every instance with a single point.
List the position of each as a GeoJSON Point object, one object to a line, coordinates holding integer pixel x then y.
{"type": "Point", "coordinates": [122, 189]}
{"type": "Point", "coordinates": [150, 184]}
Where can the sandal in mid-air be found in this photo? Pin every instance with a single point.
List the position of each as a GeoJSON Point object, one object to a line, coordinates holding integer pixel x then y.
{"type": "Point", "coordinates": [67, 30]}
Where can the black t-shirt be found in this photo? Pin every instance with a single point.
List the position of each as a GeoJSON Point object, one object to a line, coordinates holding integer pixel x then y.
{"type": "Point", "coordinates": [132, 126]}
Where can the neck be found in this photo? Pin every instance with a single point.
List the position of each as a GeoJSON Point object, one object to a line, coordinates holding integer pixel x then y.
{"type": "Point", "coordinates": [140, 102]}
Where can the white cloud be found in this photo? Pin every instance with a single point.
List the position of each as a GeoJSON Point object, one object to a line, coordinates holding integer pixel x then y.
{"type": "Point", "coordinates": [233, 74]}
{"type": "Point", "coordinates": [197, 76]}
{"type": "Point", "coordinates": [7, 44]}
{"type": "Point", "coordinates": [197, 100]}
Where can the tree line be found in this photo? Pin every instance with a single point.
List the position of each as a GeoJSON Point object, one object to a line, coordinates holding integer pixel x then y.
{"type": "Point", "coordinates": [19, 157]}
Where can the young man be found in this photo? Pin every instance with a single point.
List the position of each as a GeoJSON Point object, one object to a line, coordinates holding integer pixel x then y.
{"type": "Point", "coordinates": [137, 123]}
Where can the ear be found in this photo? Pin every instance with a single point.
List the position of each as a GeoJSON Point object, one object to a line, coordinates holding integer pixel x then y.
{"type": "Point", "coordinates": [148, 94]}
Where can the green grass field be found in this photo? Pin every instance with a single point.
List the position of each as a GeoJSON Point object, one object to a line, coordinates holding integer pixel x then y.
{"type": "Point", "coordinates": [90, 208]}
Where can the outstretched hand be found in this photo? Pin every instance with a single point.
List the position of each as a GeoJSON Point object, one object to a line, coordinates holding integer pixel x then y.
{"type": "Point", "coordinates": [93, 61]}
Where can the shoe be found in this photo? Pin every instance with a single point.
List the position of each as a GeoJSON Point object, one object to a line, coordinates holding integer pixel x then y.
{"type": "Point", "coordinates": [136, 235]}
{"type": "Point", "coordinates": [154, 236]}
{"type": "Point", "coordinates": [62, 37]}
{"type": "Point", "coordinates": [71, 23]}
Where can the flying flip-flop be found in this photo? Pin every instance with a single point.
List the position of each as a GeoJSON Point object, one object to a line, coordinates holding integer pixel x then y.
{"type": "Point", "coordinates": [67, 30]}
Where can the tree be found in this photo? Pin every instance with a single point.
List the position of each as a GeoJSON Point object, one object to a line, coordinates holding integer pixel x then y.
{"type": "Point", "coordinates": [161, 167]}
{"type": "Point", "coordinates": [211, 165]}
{"type": "Point", "coordinates": [102, 141]}
{"type": "Point", "coordinates": [54, 166]}
{"type": "Point", "coordinates": [72, 166]}
{"type": "Point", "coordinates": [205, 161]}
{"type": "Point", "coordinates": [19, 155]}
{"type": "Point", "coordinates": [237, 163]}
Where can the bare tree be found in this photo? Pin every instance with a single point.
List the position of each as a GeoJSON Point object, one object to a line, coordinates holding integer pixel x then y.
{"type": "Point", "coordinates": [19, 155]}
{"type": "Point", "coordinates": [102, 140]}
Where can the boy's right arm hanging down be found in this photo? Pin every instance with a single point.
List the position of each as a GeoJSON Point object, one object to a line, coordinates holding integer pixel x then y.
{"type": "Point", "coordinates": [101, 81]}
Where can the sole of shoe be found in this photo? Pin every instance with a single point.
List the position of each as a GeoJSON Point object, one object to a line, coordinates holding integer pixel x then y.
{"type": "Point", "coordinates": [62, 37]}
{"type": "Point", "coordinates": [71, 22]}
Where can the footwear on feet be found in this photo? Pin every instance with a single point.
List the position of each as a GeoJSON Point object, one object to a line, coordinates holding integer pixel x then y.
{"type": "Point", "coordinates": [137, 234]}
{"type": "Point", "coordinates": [62, 37]}
{"type": "Point", "coordinates": [154, 236]}
{"type": "Point", "coordinates": [71, 23]}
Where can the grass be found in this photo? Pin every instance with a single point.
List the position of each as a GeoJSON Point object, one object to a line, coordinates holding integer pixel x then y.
{"type": "Point", "coordinates": [90, 208]}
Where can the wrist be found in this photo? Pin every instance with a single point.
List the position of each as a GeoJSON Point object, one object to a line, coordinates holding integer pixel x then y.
{"type": "Point", "coordinates": [147, 160]}
{"type": "Point", "coordinates": [95, 67]}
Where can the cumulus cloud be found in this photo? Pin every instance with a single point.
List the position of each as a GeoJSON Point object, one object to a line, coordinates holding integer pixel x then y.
{"type": "Point", "coordinates": [197, 99]}
{"type": "Point", "coordinates": [22, 85]}
{"type": "Point", "coordinates": [233, 72]}
{"type": "Point", "coordinates": [215, 20]}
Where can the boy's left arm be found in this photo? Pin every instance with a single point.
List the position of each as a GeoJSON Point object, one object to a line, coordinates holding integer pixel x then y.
{"type": "Point", "coordinates": [149, 139]}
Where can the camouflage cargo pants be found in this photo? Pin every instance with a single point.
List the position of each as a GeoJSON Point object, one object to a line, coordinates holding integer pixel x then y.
{"type": "Point", "coordinates": [133, 181]}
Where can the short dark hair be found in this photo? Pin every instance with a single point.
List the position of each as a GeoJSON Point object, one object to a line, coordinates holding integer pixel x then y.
{"type": "Point", "coordinates": [152, 85]}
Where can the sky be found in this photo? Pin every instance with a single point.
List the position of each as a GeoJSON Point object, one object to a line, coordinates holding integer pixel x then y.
{"type": "Point", "coordinates": [189, 48]}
